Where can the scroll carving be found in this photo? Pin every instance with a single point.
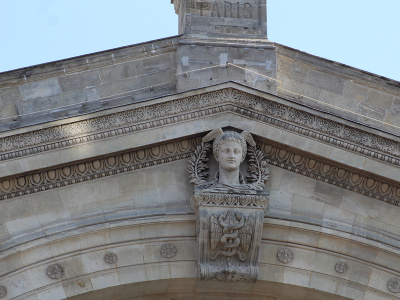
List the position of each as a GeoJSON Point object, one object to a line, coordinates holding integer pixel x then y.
{"type": "Point", "coordinates": [228, 238]}
{"type": "Point", "coordinates": [161, 114]}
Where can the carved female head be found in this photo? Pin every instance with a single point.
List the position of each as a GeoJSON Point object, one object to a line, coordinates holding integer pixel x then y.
{"type": "Point", "coordinates": [225, 138]}
{"type": "Point", "coordinates": [229, 144]}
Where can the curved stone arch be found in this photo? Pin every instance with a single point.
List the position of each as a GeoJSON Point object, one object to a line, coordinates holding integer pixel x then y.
{"type": "Point", "coordinates": [140, 262]}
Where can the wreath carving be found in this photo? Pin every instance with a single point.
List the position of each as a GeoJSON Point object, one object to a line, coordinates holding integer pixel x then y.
{"type": "Point", "coordinates": [258, 167]}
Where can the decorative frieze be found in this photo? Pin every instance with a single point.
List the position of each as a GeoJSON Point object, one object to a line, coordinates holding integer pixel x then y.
{"type": "Point", "coordinates": [161, 114]}
{"type": "Point", "coordinates": [329, 173]}
{"type": "Point", "coordinates": [97, 168]}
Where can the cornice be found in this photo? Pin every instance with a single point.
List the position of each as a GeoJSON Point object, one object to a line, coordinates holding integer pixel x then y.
{"type": "Point", "coordinates": [277, 155]}
{"type": "Point", "coordinates": [279, 114]}
{"type": "Point", "coordinates": [96, 168]}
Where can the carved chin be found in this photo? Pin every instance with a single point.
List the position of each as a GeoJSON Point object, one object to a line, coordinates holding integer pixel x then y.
{"type": "Point", "coordinates": [230, 168]}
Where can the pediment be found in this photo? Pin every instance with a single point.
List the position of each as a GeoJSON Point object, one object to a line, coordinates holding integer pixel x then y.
{"type": "Point", "coordinates": [117, 182]}
{"type": "Point", "coordinates": [295, 137]}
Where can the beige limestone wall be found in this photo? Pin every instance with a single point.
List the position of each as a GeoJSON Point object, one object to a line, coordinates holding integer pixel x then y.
{"type": "Point", "coordinates": [134, 214]}
{"type": "Point", "coordinates": [331, 86]}
{"type": "Point", "coordinates": [96, 81]}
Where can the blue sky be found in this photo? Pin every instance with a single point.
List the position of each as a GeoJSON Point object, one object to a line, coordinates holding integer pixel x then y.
{"type": "Point", "coordinates": [360, 33]}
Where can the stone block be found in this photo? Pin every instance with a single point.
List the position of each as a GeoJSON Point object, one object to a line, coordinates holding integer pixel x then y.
{"type": "Point", "coordinates": [325, 81]}
{"type": "Point", "coordinates": [280, 202]}
{"type": "Point", "coordinates": [38, 277]}
{"type": "Point", "coordinates": [58, 102]}
{"type": "Point", "coordinates": [378, 280]}
{"type": "Point", "coordinates": [355, 91]}
{"type": "Point", "coordinates": [270, 273]}
{"type": "Point", "coordinates": [93, 192]}
{"type": "Point", "coordinates": [17, 285]}
{"type": "Point", "coordinates": [291, 69]}
{"type": "Point", "coordinates": [295, 277]}
{"type": "Point", "coordinates": [330, 243]}
{"type": "Point", "coordinates": [13, 209]}
{"type": "Point", "coordinates": [275, 233]}
{"type": "Point", "coordinates": [380, 99]}
{"type": "Point", "coordinates": [347, 158]}
{"type": "Point", "coordinates": [53, 293]}
{"type": "Point", "coordinates": [293, 89]}
{"type": "Point", "coordinates": [77, 287]}
{"type": "Point", "coordinates": [305, 206]}
{"type": "Point", "coordinates": [339, 219]}
{"type": "Point", "coordinates": [158, 63]}
{"type": "Point", "coordinates": [392, 115]}
{"type": "Point", "coordinates": [350, 290]}
{"type": "Point", "coordinates": [120, 71]}
{"type": "Point", "coordinates": [105, 280]}
{"type": "Point", "coordinates": [150, 80]}
{"type": "Point", "coordinates": [362, 252]}
{"type": "Point", "coordinates": [373, 295]}
{"type": "Point", "coordinates": [10, 95]}
{"type": "Point", "coordinates": [35, 254]}
{"type": "Point", "coordinates": [187, 269]}
{"type": "Point", "coordinates": [95, 239]}
{"type": "Point", "coordinates": [132, 275]}
{"type": "Point", "coordinates": [11, 263]}
{"type": "Point", "coordinates": [303, 237]}
{"type": "Point", "coordinates": [158, 272]}
{"type": "Point", "coordinates": [323, 283]}
{"type": "Point", "coordinates": [124, 234]}
{"type": "Point", "coordinates": [21, 225]}
{"type": "Point", "coordinates": [79, 81]}
{"type": "Point", "coordinates": [372, 111]}
{"type": "Point", "coordinates": [329, 194]}
{"type": "Point", "coordinates": [356, 203]}
{"type": "Point", "coordinates": [298, 184]}
{"type": "Point", "coordinates": [338, 101]}
{"type": "Point", "coordinates": [99, 60]}
{"type": "Point", "coordinates": [40, 89]}
{"type": "Point", "coordinates": [381, 169]}
{"type": "Point", "coordinates": [7, 112]}
{"type": "Point", "coordinates": [65, 246]}
{"type": "Point", "coordinates": [119, 88]}
{"type": "Point", "coordinates": [44, 202]}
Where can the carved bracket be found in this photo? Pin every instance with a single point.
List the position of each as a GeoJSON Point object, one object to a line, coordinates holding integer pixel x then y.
{"type": "Point", "coordinates": [229, 210]}
{"type": "Point", "coordinates": [229, 235]}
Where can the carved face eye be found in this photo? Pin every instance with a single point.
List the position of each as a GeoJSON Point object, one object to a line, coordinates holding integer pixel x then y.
{"type": "Point", "coordinates": [237, 150]}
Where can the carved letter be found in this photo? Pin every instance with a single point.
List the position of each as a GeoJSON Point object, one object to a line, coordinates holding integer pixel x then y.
{"type": "Point", "coordinates": [203, 5]}
{"type": "Point", "coordinates": [228, 8]}
{"type": "Point", "coordinates": [215, 10]}
{"type": "Point", "coordinates": [248, 9]}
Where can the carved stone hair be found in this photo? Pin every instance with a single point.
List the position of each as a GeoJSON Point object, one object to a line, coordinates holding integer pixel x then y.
{"type": "Point", "coordinates": [220, 137]}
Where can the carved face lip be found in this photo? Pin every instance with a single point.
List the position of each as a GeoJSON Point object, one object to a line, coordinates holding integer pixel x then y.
{"type": "Point", "coordinates": [230, 155]}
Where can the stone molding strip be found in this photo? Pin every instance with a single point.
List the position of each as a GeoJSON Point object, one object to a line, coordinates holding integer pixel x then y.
{"type": "Point", "coordinates": [96, 168]}
{"type": "Point", "coordinates": [298, 162]}
{"type": "Point", "coordinates": [170, 112]}
{"type": "Point", "coordinates": [336, 175]}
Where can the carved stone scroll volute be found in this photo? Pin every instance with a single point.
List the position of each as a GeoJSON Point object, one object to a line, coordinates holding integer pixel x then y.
{"type": "Point", "coordinates": [229, 211]}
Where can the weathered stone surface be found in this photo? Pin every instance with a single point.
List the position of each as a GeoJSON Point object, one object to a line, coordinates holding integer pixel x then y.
{"type": "Point", "coordinates": [79, 81]}
{"type": "Point", "coordinates": [103, 170]}
{"type": "Point", "coordinates": [39, 89]}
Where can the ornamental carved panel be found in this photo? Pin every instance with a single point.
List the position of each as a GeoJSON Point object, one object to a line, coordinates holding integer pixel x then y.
{"type": "Point", "coordinates": [230, 208]}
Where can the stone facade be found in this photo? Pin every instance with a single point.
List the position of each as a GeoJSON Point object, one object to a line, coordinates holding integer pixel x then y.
{"type": "Point", "coordinates": [96, 201]}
